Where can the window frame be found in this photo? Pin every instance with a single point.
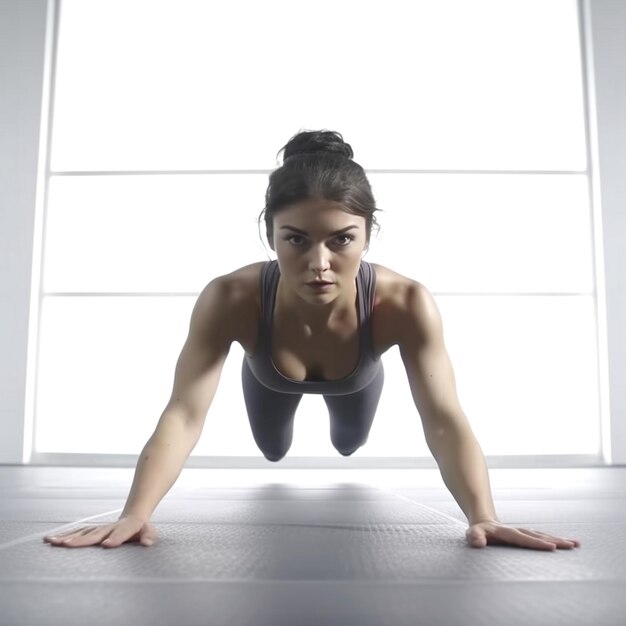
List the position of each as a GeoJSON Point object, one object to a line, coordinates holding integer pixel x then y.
{"type": "Point", "coordinates": [254, 462]}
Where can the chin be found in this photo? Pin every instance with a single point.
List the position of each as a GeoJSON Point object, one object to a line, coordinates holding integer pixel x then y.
{"type": "Point", "coordinates": [316, 298]}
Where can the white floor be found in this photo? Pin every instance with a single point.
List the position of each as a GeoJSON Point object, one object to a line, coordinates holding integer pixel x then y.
{"type": "Point", "coordinates": [313, 547]}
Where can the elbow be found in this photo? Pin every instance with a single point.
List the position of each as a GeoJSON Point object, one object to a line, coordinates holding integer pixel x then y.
{"type": "Point", "coordinates": [442, 437]}
{"type": "Point", "coordinates": [177, 421]}
{"type": "Point", "coordinates": [437, 441]}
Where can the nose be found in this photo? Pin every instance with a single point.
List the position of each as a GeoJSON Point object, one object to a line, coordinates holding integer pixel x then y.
{"type": "Point", "coordinates": [319, 259]}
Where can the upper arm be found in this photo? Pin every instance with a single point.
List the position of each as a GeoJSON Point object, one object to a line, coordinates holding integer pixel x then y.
{"type": "Point", "coordinates": [428, 366]}
{"type": "Point", "coordinates": [199, 366]}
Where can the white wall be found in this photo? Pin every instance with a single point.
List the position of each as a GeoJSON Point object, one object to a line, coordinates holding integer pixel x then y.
{"type": "Point", "coordinates": [22, 41]}
{"type": "Point", "coordinates": [608, 39]}
{"type": "Point", "coordinates": [22, 37]}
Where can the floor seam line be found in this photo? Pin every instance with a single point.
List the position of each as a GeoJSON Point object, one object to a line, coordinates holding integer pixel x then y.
{"type": "Point", "coordinates": [428, 508]}
{"type": "Point", "coordinates": [404, 581]}
{"type": "Point", "coordinates": [68, 525]}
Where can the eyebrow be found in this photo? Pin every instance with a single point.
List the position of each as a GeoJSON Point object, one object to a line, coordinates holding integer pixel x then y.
{"type": "Point", "coordinates": [303, 232]}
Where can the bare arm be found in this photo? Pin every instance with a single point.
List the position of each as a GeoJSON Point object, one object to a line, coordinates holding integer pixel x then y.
{"type": "Point", "coordinates": [196, 378]}
{"type": "Point", "coordinates": [447, 429]}
{"type": "Point", "coordinates": [197, 374]}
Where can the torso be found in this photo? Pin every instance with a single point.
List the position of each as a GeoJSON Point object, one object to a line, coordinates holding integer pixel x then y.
{"type": "Point", "coordinates": [299, 355]}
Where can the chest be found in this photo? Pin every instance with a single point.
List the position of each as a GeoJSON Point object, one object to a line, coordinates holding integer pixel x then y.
{"type": "Point", "coordinates": [330, 355]}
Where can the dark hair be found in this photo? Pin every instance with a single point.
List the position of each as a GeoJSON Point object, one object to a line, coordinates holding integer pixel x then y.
{"type": "Point", "coordinates": [318, 165]}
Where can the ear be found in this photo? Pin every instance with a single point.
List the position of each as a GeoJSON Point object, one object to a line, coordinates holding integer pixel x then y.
{"type": "Point", "coordinates": [270, 240]}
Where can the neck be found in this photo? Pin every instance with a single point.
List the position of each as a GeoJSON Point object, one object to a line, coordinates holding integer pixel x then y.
{"type": "Point", "coordinates": [310, 316]}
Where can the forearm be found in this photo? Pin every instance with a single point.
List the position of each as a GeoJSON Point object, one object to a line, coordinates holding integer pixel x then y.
{"type": "Point", "coordinates": [464, 472]}
{"type": "Point", "coordinates": [159, 465]}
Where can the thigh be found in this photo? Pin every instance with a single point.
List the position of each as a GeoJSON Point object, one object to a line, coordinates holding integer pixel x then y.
{"type": "Point", "coordinates": [352, 415]}
{"type": "Point", "coordinates": [271, 415]}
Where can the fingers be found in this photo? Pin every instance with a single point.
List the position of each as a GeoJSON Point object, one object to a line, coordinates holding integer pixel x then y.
{"type": "Point", "coordinates": [147, 535]}
{"type": "Point", "coordinates": [516, 537]}
{"type": "Point", "coordinates": [108, 535]}
{"type": "Point", "coordinates": [67, 534]}
{"type": "Point", "coordinates": [481, 535]}
{"type": "Point", "coordinates": [79, 537]}
{"type": "Point", "coordinates": [510, 536]}
{"type": "Point", "coordinates": [476, 538]}
{"type": "Point", "coordinates": [559, 542]}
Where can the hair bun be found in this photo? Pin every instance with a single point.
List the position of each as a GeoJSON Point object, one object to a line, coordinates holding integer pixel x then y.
{"type": "Point", "coordinates": [310, 142]}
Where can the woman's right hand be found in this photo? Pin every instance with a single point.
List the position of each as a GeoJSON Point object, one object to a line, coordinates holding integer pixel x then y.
{"type": "Point", "coordinates": [128, 528]}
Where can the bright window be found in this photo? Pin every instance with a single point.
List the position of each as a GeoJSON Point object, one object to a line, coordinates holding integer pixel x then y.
{"type": "Point", "coordinates": [468, 118]}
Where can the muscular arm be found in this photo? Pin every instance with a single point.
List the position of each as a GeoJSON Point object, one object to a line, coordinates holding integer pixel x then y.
{"type": "Point", "coordinates": [446, 428]}
{"type": "Point", "coordinates": [197, 374]}
{"type": "Point", "coordinates": [196, 377]}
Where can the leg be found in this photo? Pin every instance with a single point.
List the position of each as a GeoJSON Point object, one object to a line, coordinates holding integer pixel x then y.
{"type": "Point", "coordinates": [271, 415]}
{"type": "Point", "coordinates": [351, 416]}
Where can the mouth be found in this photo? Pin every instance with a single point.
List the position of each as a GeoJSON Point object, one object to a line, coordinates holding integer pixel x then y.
{"type": "Point", "coordinates": [320, 284]}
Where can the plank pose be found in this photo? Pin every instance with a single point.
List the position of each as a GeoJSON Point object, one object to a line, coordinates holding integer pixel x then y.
{"type": "Point", "coordinates": [316, 320]}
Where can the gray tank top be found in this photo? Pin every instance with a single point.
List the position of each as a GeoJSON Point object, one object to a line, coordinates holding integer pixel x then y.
{"type": "Point", "coordinates": [263, 367]}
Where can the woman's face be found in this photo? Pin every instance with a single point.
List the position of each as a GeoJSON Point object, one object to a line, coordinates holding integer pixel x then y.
{"type": "Point", "coordinates": [318, 240]}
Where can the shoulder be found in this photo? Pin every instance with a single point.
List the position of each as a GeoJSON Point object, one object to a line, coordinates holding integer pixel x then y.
{"type": "Point", "coordinates": [241, 284]}
{"type": "Point", "coordinates": [231, 301]}
{"type": "Point", "coordinates": [405, 305]}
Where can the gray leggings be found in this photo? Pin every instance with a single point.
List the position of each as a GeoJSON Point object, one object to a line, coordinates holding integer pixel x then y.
{"type": "Point", "coordinates": [272, 413]}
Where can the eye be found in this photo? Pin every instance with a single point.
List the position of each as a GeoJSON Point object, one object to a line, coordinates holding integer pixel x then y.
{"type": "Point", "coordinates": [295, 243]}
{"type": "Point", "coordinates": [348, 239]}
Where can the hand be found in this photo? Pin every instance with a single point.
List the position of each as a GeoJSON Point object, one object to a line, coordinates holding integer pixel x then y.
{"type": "Point", "coordinates": [492, 532]}
{"type": "Point", "coordinates": [128, 528]}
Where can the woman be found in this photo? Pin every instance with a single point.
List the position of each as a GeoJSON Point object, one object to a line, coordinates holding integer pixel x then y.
{"type": "Point", "coordinates": [316, 320]}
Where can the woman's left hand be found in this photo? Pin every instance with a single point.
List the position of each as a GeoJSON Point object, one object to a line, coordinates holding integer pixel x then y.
{"type": "Point", "coordinates": [492, 532]}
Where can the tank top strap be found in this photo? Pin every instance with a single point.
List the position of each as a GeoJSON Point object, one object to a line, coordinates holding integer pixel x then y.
{"type": "Point", "coordinates": [366, 279]}
{"type": "Point", "coordinates": [269, 281]}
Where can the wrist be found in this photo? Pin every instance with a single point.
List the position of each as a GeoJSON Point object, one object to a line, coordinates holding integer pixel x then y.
{"type": "Point", "coordinates": [130, 514]}
{"type": "Point", "coordinates": [483, 518]}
